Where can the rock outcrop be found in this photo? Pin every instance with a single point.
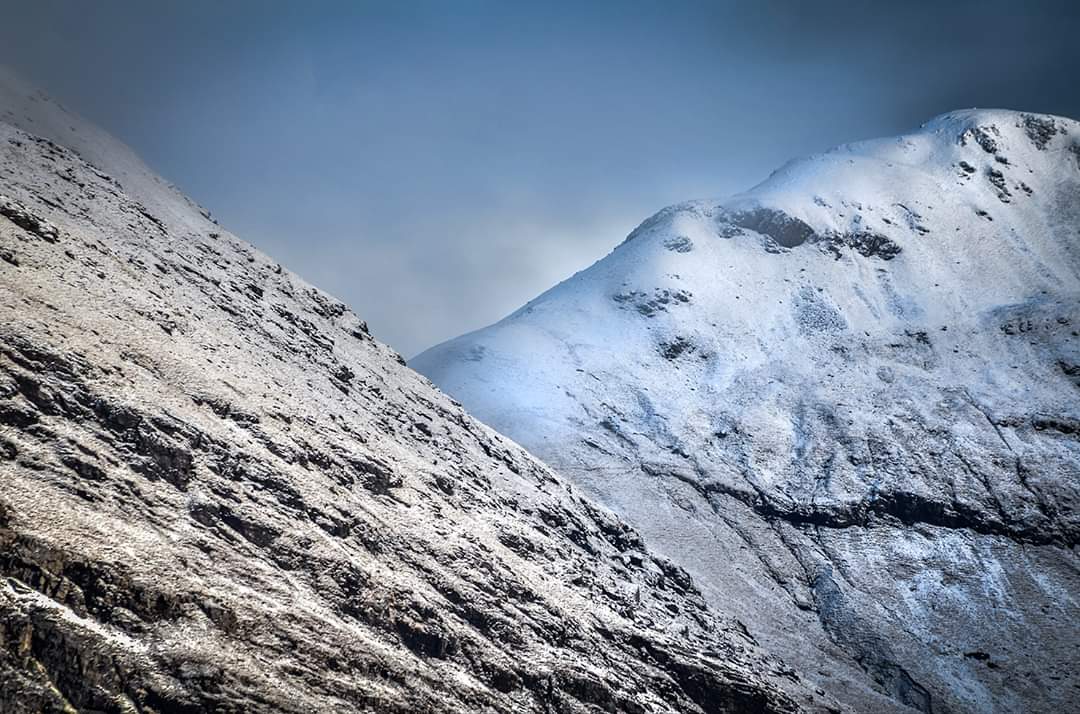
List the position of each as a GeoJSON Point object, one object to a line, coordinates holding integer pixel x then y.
{"type": "Point", "coordinates": [219, 493]}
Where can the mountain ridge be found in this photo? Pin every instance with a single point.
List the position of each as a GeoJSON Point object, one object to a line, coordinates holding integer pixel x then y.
{"type": "Point", "coordinates": [221, 493]}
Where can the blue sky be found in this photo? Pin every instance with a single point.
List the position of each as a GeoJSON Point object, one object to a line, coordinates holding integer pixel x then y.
{"type": "Point", "coordinates": [437, 164]}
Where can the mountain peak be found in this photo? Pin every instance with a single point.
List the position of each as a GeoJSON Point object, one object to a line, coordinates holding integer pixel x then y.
{"type": "Point", "coordinates": [853, 385]}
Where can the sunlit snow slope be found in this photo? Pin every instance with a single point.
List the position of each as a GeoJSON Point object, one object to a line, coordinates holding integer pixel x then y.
{"type": "Point", "coordinates": [848, 401]}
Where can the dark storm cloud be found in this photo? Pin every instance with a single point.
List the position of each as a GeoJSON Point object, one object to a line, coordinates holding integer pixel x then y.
{"type": "Point", "coordinates": [438, 164]}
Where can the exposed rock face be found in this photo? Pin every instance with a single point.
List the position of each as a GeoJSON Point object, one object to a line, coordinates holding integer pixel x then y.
{"type": "Point", "coordinates": [219, 493]}
{"type": "Point", "coordinates": [860, 433]}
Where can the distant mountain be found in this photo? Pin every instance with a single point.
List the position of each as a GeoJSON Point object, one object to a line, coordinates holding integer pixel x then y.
{"type": "Point", "coordinates": [219, 493]}
{"type": "Point", "coordinates": [846, 401]}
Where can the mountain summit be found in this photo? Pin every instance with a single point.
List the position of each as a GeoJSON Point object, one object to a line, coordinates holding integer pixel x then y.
{"type": "Point", "coordinates": [847, 401]}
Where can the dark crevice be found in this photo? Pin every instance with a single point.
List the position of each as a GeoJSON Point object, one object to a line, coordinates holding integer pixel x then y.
{"type": "Point", "coordinates": [882, 509]}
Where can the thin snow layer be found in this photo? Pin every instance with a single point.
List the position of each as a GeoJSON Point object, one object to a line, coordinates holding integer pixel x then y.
{"type": "Point", "coordinates": [846, 400]}
{"type": "Point", "coordinates": [24, 106]}
{"type": "Point", "coordinates": [219, 493]}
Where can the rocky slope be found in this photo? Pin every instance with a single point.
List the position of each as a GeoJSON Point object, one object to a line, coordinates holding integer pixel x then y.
{"type": "Point", "coordinates": [219, 493]}
{"type": "Point", "coordinates": [847, 401]}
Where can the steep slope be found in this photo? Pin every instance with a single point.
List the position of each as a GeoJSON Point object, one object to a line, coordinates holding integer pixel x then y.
{"type": "Point", "coordinates": [219, 493]}
{"type": "Point", "coordinates": [846, 401]}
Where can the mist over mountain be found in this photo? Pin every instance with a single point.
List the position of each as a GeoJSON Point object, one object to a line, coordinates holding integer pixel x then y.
{"type": "Point", "coordinates": [812, 447]}
{"type": "Point", "coordinates": [439, 164]}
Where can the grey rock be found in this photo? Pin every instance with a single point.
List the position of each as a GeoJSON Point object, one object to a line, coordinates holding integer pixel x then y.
{"type": "Point", "coordinates": [218, 493]}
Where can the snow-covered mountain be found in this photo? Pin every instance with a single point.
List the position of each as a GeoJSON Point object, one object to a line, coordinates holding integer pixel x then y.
{"type": "Point", "coordinates": [219, 493]}
{"type": "Point", "coordinates": [847, 401]}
